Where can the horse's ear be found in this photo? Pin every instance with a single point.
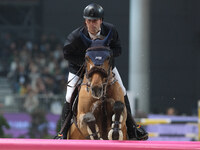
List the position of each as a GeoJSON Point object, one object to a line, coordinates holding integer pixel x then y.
{"type": "Point", "coordinates": [85, 39]}
{"type": "Point", "coordinates": [107, 39]}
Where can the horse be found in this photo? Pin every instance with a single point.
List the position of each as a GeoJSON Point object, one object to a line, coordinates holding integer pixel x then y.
{"type": "Point", "coordinates": [101, 111]}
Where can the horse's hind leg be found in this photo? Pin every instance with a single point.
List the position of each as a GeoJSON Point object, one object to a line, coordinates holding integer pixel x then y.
{"type": "Point", "coordinates": [92, 128]}
{"type": "Point", "coordinates": [116, 133]}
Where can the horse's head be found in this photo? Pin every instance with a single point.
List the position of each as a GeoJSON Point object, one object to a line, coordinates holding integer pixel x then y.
{"type": "Point", "coordinates": [98, 69]}
{"type": "Point", "coordinates": [98, 59]}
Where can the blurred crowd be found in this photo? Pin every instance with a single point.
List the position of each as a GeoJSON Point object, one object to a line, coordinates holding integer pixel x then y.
{"type": "Point", "coordinates": [33, 67]}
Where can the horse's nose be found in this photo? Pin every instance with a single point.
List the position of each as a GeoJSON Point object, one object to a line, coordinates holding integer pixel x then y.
{"type": "Point", "coordinates": [97, 91]}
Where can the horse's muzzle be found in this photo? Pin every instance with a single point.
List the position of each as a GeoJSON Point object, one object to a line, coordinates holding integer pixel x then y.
{"type": "Point", "coordinates": [97, 91]}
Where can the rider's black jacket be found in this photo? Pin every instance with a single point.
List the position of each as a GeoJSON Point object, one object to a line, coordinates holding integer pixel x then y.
{"type": "Point", "coordinates": [74, 48]}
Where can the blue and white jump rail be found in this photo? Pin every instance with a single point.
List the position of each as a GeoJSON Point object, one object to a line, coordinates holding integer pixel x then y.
{"type": "Point", "coordinates": [50, 144]}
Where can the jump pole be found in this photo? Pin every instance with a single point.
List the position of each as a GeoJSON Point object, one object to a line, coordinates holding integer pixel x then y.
{"type": "Point", "coordinates": [50, 144]}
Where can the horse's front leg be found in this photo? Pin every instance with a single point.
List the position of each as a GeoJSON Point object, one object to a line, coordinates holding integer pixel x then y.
{"type": "Point", "coordinates": [87, 126]}
{"type": "Point", "coordinates": [117, 122]}
{"type": "Point", "coordinates": [91, 125]}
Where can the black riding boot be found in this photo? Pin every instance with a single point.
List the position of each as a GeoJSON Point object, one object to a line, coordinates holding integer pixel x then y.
{"type": "Point", "coordinates": [134, 131]}
{"type": "Point", "coordinates": [65, 115]}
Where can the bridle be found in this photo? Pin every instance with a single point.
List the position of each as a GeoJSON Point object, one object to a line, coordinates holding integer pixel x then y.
{"type": "Point", "coordinates": [106, 74]}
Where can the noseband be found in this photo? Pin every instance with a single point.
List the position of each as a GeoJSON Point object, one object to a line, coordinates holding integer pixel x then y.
{"type": "Point", "coordinates": [96, 69]}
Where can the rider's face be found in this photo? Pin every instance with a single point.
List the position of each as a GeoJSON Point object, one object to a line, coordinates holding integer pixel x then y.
{"type": "Point", "coordinates": [94, 25]}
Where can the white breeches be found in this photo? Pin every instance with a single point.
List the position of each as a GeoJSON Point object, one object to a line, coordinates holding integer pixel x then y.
{"type": "Point", "coordinates": [117, 76]}
{"type": "Point", "coordinates": [70, 89]}
{"type": "Point", "coordinates": [75, 79]}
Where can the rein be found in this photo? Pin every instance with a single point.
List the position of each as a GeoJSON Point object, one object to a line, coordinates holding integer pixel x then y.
{"type": "Point", "coordinates": [81, 71]}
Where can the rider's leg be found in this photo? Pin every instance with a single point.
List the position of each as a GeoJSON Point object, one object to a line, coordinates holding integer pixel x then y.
{"type": "Point", "coordinates": [133, 130]}
{"type": "Point", "coordinates": [71, 86]}
{"type": "Point", "coordinates": [66, 107]}
{"type": "Point", "coordinates": [65, 112]}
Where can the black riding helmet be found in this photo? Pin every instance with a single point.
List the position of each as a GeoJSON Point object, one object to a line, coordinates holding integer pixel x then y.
{"type": "Point", "coordinates": [93, 11]}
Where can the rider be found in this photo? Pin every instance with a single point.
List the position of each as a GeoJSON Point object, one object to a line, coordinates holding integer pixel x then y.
{"type": "Point", "coordinates": [74, 51]}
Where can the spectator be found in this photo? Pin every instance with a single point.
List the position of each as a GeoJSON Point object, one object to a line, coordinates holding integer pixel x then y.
{"type": "Point", "coordinates": [29, 64]}
{"type": "Point", "coordinates": [171, 111]}
{"type": "Point", "coordinates": [31, 101]}
{"type": "Point", "coordinates": [39, 125]}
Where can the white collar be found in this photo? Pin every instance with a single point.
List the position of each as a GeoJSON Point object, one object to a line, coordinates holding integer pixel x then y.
{"type": "Point", "coordinates": [94, 36]}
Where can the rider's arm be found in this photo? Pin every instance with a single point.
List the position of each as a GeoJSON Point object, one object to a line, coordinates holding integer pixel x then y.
{"type": "Point", "coordinates": [115, 44]}
{"type": "Point", "coordinates": [73, 49]}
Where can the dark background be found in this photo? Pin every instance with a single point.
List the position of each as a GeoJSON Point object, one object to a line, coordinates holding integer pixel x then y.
{"type": "Point", "coordinates": [174, 41]}
{"type": "Point", "coordinates": [174, 55]}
